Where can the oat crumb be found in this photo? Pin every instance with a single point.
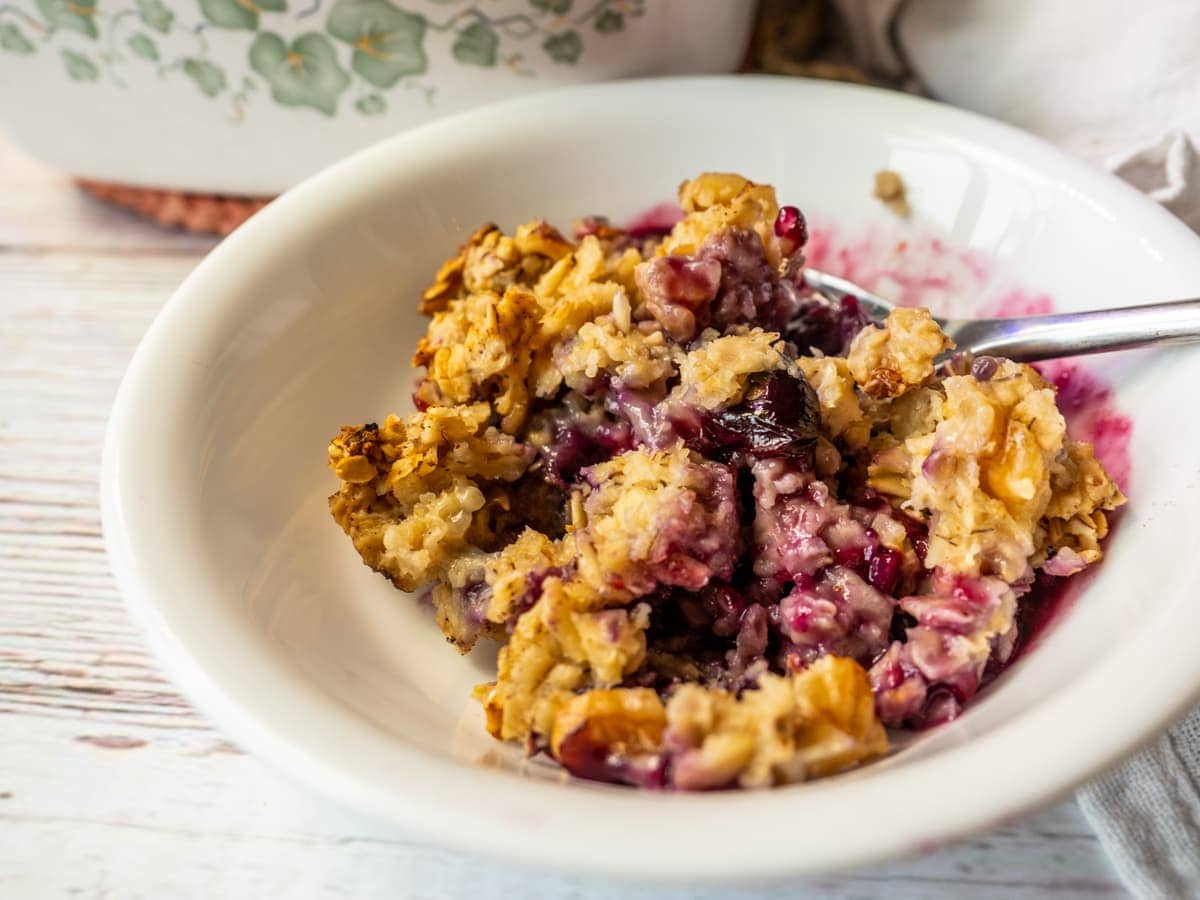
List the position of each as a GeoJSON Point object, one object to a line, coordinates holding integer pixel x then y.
{"type": "Point", "coordinates": [891, 190]}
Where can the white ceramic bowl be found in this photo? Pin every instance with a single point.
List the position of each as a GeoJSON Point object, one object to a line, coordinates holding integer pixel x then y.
{"type": "Point", "coordinates": [214, 477]}
{"type": "Point", "coordinates": [239, 97]}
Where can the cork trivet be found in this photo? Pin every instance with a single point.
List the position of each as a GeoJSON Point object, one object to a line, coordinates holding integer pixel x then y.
{"type": "Point", "coordinates": [176, 209]}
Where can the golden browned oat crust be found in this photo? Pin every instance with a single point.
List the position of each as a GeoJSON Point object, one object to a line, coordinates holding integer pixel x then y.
{"type": "Point", "coordinates": [717, 201]}
{"type": "Point", "coordinates": [715, 373]}
{"type": "Point", "coordinates": [609, 345]}
{"type": "Point", "coordinates": [806, 725]}
{"type": "Point", "coordinates": [989, 465]}
{"type": "Point", "coordinates": [787, 729]}
{"type": "Point", "coordinates": [411, 486]}
{"type": "Point", "coordinates": [564, 642]}
{"type": "Point", "coordinates": [893, 359]}
{"type": "Point", "coordinates": [841, 411]}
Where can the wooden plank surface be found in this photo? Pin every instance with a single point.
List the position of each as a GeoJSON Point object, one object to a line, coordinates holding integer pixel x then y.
{"type": "Point", "coordinates": [111, 785]}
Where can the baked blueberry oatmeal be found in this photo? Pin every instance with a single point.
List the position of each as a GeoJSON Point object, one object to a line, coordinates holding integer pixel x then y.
{"type": "Point", "coordinates": [728, 532]}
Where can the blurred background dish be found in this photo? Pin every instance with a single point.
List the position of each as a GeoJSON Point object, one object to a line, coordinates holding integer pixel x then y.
{"type": "Point", "coordinates": [247, 97]}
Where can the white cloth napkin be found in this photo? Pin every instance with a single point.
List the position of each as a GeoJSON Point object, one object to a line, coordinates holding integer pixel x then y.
{"type": "Point", "coordinates": [1119, 86]}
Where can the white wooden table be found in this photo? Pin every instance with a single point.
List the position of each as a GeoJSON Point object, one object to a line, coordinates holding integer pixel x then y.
{"type": "Point", "coordinates": [111, 785]}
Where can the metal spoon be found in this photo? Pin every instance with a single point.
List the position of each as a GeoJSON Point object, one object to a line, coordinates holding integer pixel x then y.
{"type": "Point", "coordinates": [1031, 338]}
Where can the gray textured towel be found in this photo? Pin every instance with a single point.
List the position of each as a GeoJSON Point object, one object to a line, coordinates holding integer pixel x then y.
{"type": "Point", "coordinates": [1147, 814]}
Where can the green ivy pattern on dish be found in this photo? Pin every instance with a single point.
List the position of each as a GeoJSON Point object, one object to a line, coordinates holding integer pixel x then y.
{"type": "Point", "coordinates": [239, 14]}
{"type": "Point", "coordinates": [388, 43]}
{"type": "Point", "coordinates": [79, 67]}
{"type": "Point", "coordinates": [209, 79]}
{"type": "Point", "coordinates": [13, 39]}
{"type": "Point", "coordinates": [356, 51]}
{"type": "Point", "coordinates": [78, 15]}
{"type": "Point", "coordinates": [143, 47]}
{"type": "Point", "coordinates": [155, 15]}
{"type": "Point", "coordinates": [303, 73]}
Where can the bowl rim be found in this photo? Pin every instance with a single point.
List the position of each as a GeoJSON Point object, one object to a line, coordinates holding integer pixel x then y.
{"type": "Point", "coordinates": [436, 791]}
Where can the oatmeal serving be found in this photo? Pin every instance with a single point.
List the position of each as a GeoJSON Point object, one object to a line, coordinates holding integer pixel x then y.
{"type": "Point", "coordinates": [727, 531]}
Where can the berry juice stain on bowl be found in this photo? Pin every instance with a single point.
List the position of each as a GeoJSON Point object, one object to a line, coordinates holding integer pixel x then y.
{"type": "Point", "coordinates": [658, 220]}
{"type": "Point", "coordinates": [902, 264]}
{"type": "Point", "coordinates": [1086, 401]}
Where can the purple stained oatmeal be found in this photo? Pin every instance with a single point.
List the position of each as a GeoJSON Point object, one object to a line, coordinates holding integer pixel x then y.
{"type": "Point", "coordinates": [727, 531]}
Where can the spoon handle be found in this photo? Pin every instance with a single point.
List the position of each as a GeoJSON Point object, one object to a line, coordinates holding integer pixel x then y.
{"type": "Point", "coordinates": [1034, 338]}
